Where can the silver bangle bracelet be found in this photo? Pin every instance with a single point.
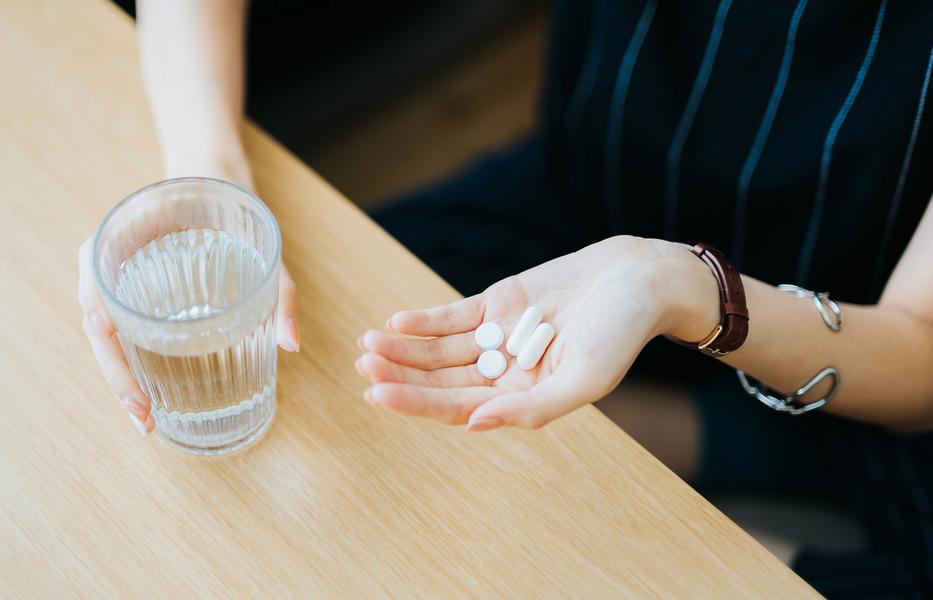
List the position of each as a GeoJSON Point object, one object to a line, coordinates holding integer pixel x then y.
{"type": "Point", "coordinates": [790, 404]}
{"type": "Point", "coordinates": [832, 316]}
{"type": "Point", "coordinates": [822, 301]}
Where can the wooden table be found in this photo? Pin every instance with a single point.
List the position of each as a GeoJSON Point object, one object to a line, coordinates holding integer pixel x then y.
{"type": "Point", "coordinates": [340, 499]}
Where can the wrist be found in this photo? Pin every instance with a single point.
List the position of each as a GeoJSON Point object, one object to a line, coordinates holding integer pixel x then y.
{"type": "Point", "coordinates": [233, 169]}
{"type": "Point", "coordinates": [218, 156]}
{"type": "Point", "coordinates": [690, 297]}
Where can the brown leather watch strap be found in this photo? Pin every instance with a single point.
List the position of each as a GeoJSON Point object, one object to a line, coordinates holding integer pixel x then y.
{"type": "Point", "coordinates": [732, 330]}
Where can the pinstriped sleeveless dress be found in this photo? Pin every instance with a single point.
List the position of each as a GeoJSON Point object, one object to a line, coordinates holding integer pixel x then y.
{"type": "Point", "coordinates": [795, 136]}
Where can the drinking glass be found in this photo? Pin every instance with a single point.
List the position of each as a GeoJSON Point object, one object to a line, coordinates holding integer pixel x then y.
{"type": "Point", "coordinates": [188, 270]}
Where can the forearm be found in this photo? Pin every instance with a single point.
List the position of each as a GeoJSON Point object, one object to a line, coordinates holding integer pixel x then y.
{"type": "Point", "coordinates": [884, 356]}
{"type": "Point", "coordinates": [884, 353]}
{"type": "Point", "coordinates": [192, 63]}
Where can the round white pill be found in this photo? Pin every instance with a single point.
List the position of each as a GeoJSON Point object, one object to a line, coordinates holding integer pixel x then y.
{"type": "Point", "coordinates": [491, 364]}
{"type": "Point", "coordinates": [489, 336]}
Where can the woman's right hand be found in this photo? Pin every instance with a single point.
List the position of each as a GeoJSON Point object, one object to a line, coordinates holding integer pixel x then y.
{"type": "Point", "coordinates": [106, 346]}
{"type": "Point", "coordinates": [606, 301]}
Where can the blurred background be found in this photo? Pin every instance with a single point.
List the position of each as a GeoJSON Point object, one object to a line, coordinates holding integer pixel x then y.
{"type": "Point", "coordinates": [382, 97]}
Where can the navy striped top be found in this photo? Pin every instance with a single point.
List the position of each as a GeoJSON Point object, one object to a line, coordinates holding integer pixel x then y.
{"type": "Point", "coordinates": [793, 134]}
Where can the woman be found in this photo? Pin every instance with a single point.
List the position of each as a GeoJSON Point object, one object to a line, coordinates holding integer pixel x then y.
{"type": "Point", "coordinates": [792, 136]}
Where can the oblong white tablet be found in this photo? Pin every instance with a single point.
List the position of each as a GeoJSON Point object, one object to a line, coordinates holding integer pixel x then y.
{"type": "Point", "coordinates": [534, 348]}
{"type": "Point", "coordinates": [491, 364]}
{"type": "Point", "coordinates": [489, 336]}
{"type": "Point", "coordinates": [526, 325]}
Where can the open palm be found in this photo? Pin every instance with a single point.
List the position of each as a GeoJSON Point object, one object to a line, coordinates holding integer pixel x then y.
{"type": "Point", "coordinates": [602, 302]}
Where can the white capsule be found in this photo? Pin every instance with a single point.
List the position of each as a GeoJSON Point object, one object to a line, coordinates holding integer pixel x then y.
{"type": "Point", "coordinates": [491, 364]}
{"type": "Point", "coordinates": [488, 336]}
{"type": "Point", "coordinates": [530, 319]}
{"type": "Point", "coordinates": [534, 348]}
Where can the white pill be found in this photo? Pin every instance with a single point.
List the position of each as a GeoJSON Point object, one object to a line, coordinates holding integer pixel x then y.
{"type": "Point", "coordinates": [530, 319]}
{"type": "Point", "coordinates": [534, 348]}
{"type": "Point", "coordinates": [489, 336]}
{"type": "Point", "coordinates": [491, 364]}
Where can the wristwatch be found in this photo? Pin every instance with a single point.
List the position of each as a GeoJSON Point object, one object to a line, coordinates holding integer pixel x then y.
{"type": "Point", "coordinates": [730, 333]}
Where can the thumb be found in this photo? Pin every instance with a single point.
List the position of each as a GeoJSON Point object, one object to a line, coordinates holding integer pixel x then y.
{"type": "Point", "coordinates": [564, 390]}
{"type": "Point", "coordinates": [289, 338]}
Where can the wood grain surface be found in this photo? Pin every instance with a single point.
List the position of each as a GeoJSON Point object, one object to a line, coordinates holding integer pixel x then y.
{"type": "Point", "coordinates": [340, 499]}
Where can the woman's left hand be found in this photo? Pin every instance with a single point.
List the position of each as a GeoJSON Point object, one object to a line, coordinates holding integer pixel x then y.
{"type": "Point", "coordinates": [605, 301]}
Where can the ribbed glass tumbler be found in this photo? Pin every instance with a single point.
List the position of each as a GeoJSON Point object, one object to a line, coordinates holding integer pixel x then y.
{"type": "Point", "coordinates": [188, 269]}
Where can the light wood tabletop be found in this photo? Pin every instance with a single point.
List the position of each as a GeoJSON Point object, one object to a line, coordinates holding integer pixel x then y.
{"type": "Point", "coordinates": [339, 499]}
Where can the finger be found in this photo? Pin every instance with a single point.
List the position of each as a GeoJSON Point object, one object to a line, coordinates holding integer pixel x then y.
{"type": "Point", "coordinates": [378, 369]}
{"type": "Point", "coordinates": [562, 391]}
{"type": "Point", "coordinates": [447, 351]}
{"type": "Point", "coordinates": [447, 405]}
{"type": "Point", "coordinates": [457, 317]}
{"type": "Point", "coordinates": [106, 346]}
{"type": "Point", "coordinates": [88, 297]}
{"type": "Point", "coordinates": [287, 333]}
{"type": "Point", "coordinates": [142, 426]}
{"type": "Point", "coordinates": [116, 372]}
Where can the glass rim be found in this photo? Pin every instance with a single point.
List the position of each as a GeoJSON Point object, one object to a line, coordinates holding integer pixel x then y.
{"type": "Point", "coordinates": [111, 299]}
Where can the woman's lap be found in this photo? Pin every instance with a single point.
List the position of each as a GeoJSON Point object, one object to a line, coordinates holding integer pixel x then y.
{"type": "Point", "coordinates": [750, 448]}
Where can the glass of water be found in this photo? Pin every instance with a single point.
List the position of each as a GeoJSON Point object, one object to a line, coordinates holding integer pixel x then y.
{"type": "Point", "coordinates": [188, 269]}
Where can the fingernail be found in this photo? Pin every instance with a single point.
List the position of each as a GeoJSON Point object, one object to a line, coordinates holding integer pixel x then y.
{"type": "Point", "coordinates": [368, 395]}
{"type": "Point", "coordinates": [389, 324]}
{"type": "Point", "coordinates": [294, 336]}
{"type": "Point", "coordinates": [359, 342]}
{"type": "Point", "coordinates": [133, 404]}
{"type": "Point", "coordinates": [139, 425]}
{"type": "Point", "coordinates": [358, 363]}
{"type": "Point", "coordinates": [101, 327]}
{"type": "Point", "coordinates": [484, 424]}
